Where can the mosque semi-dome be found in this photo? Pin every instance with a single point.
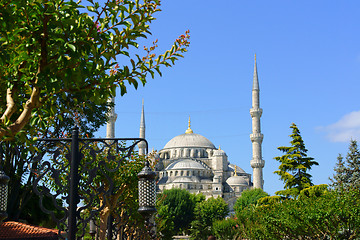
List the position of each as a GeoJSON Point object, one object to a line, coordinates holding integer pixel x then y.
{"type": "Point", "coordinates": [185, 164]}
{"type": "Point", "coordinates": [237, 180]}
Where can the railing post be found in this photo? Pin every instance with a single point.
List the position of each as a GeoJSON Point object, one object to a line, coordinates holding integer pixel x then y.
{"type": "Point", "coordinates": [109, 230]}
{"type": "Point", "coordinates": [74, 184]}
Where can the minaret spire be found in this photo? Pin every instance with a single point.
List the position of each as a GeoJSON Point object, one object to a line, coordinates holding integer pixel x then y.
{"type": "Point", "coordinates": [257, 163]}
{"type": "Point", "coordinates": [142, 145]}
{"type": "Point", "coordinates": [255, 79]}
{"type": "Point", "coordinates": [110, 126]}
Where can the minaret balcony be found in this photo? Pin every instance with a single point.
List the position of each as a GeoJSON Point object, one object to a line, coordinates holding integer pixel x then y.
{"type": "Point", "coordinates": [112, 118]}
{"type": "Point", "coordinates": [257, 163]}
{"type": "Point", "coordinates": [256, 112]}
{"type": "Point", "coordinates": [256, 137]}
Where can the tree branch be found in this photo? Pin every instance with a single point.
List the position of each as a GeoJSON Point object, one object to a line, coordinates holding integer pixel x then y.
{"type": "Point", "coordinates": [10, 105]}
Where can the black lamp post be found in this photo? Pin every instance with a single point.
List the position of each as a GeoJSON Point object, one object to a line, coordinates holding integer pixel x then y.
{"type": "Point", "coordinates": [147, 195]}
{"type": "Point", "coordinates": [3, 194]}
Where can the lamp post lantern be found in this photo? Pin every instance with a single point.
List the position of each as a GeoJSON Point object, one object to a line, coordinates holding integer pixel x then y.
{"type": "Point", "coordinates": [147, 196]}
{"type": "Point", "coordinates": [3, 194]}
{"type": "Point", "coordinates": [147, 191]}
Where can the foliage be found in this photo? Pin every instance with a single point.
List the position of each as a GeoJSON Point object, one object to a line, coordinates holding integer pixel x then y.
{"type": "Point", "coordinates": [314, 191]}
{"type": "Point", "coordinates": [295, 164]}
{"type": "Point", "coordinates": [60, 61]}
{"type": "Point", "coordinates": [175, 211]}
{"type": "Point", "coordinates": [206, 213]}
{"type": "Point", "coordinates": [331, 215]}
{"type": "Point", "coordinates": [347, 173]}
{"type": "Point", "coordinates": [122, 204]}
{"type": "Point", "coordinates": [249, 197]}
{"type": "Point", "coordinates": [225, 229]}
{"type": "Point", "coordinates": [61, 57]}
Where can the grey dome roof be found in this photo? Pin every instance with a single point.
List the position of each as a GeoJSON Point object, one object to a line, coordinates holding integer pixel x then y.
{"type": "Point", "coordinates": [185, 180]}
{"type": "Point", "coordinates": [185, 164]}
{"type": "Point", "coordinates": [219, 152]}
{"type": "Point", "coordinates": [189, 140]}
{"type": "Point", "coordinates": [237, 180]}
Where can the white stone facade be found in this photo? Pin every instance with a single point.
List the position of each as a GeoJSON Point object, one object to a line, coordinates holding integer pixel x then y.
{"type": "Point", "coordinates": [190, 161]}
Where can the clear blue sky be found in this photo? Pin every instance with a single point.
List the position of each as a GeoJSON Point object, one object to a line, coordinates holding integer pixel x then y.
{"type": "Point", "coordinates": [308, 55]}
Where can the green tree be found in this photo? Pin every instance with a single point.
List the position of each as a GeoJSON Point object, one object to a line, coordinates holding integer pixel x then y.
{"type": "Point", "coordinates": [177, 206]}
{"type": "Point", "coordinates": [248, 198]}
{"type": "Point", "coordinates": [206, 213]}
{"type": "Point", "coordinates": [329, 215]}
{"type": "Point", "coordinates": [102, 168]}
{"type": "Point", "coordinates": [60, 61]}
{"type": "Point", "coordinates": [225, 229]}
{"type": "Point", "coordinates": [295, 164]}
{"type": "Point", "coordinates": [347, 173]}
{"type": "Point", "coordinates": [57, 56]}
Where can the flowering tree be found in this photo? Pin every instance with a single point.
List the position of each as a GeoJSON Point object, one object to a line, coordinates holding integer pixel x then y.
{"type": "Point", "coordinates": [60, 61]}
{"type": "Point", "coordinates": [57, 56]}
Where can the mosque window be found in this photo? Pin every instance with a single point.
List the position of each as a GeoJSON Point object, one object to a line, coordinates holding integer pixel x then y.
{"type": "Point", "coordinates": [176, 173]}
{"type": "Point", "coordinates": [182, 173]}
{"type": "Point", "coordinates": [187, 173]}
{"type": "Point", "coordinates": [209, 186]}
{"type": "Point", "coordinates": [171, 173]}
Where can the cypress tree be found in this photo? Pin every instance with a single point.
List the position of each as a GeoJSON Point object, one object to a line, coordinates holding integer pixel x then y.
{"type": "Point", "coordinates": [294, 167]}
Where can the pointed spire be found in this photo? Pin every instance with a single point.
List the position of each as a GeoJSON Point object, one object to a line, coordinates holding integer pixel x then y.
{"type": "Point", "coordinates": [189, 127]}
{"type": "Point", "coordinates": [255, 79]}
{"type": "Point", "coordinates": [142, 145]}
{"type": "Point", "coordinates": [142, 121]}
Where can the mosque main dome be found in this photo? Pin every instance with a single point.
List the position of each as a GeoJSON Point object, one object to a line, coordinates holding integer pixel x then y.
{"type": "Point", "coordinates": [187, 140]}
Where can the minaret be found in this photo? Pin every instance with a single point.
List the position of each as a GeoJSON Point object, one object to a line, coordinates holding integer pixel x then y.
{"type": "Point", "coordinates": [110, 126]}
{"type": "Point", "coordinates": [257, 163]}
{"type": "Point", "coordinates": [142, 145]}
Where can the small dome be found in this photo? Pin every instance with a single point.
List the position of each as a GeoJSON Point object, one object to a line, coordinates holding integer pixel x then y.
{"type": "Point", "coordinates": [219, 153]}
{"type": "Point", "coordinates": [237, 180]}
{"type": "Point", "coordinates": [189, 140]}
{"type": "Point", "coordinates": [185, 164]}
